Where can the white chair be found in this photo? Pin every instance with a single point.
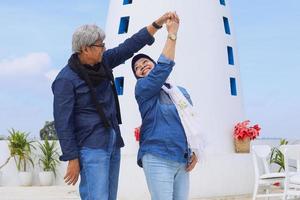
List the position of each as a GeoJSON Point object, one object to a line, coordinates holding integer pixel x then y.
{"type": "Point", "coordinates": [263, 176]}
{"type": "Point", "coordinates": [292, 181]}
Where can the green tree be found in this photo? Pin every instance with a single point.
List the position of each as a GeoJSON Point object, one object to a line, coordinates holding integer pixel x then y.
{"type": "Point", "coordinates": [48, 131]}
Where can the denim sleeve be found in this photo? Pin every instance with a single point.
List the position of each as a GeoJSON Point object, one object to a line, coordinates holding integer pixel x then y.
{"type": "Point", "coordinates": [118, 55]}
{"type": "Point", "coordinates": [64, 99]}
{"type": "Point", "coordinates": [150, 85]}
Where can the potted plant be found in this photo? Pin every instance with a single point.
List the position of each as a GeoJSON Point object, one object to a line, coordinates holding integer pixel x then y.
{"type": "Point", "coordinates": [243, 133]}
{"type": "Point", "coordinates": [48, 161]}
{"type": "Point", "coordinates": [20, 149]}
{"type": "Point", "coordinates": [277, 156]}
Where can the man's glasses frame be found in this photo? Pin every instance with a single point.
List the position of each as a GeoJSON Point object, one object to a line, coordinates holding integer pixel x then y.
{"type": "Point", "coordinates": [98, 45]}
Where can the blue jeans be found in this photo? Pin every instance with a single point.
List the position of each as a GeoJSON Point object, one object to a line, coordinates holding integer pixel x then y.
{"type": "Point", "coordinates": [99, 171]}
{"type": "Point", "coordinates": [166, 180]}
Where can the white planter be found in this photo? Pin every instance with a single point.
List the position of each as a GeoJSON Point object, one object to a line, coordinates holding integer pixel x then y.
{"type": "Point", "coordinates": [46, 178]}
{"type": "Point", "coordinates": [25, 178]}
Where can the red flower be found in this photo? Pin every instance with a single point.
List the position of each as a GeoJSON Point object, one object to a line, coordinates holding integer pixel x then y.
{"type": "Point", "coordinates": [256, 127]}
{"type": "Point", "coordinates": [277, 184]}
{"type": "Point", "coordinates": [242, 130]}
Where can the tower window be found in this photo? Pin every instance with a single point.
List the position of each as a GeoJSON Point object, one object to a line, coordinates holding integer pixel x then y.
{"type": "Point", "coordinates": [230, 55]}
{"type": "Point", "coordinates": [119, 82]}
{"type": "Point", "coordinates": [226, 25]}
{"type": "Point", "coordinates": [125, 2]}
{"type": "Point", "coordinates": [233, 86]}
{"type": "Point", "coordinates": [222, 2]}
{"type": "Point", "coordinates": [124, 22]}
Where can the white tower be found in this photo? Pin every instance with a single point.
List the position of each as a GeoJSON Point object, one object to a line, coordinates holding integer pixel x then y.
{"type": "Point", "coordinates": [207, 66]}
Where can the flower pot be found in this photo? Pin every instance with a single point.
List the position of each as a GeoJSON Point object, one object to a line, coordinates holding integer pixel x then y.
{"type": "Point", "coordinates": [242, 146]}
{"type": "Point", "coordinates": [25, 178]}
{"type": "Point", "coordinates": [46, 178]}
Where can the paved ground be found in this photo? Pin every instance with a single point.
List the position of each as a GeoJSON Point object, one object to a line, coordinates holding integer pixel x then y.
{"type": "Point", "coordinates": [71, 193]}
{"type": "Point", "coordinates": [66, 193]}
{"type": "Point", "coordinates": [38, 193]}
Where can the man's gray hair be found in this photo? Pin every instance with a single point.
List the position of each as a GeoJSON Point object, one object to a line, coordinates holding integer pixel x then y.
{"type": "Point", "coordinates": [86, 35]}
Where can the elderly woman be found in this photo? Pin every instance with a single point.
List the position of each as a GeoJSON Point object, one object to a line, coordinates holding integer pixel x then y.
{"type": "Point", "coordinates": [86, 109]}
{"type": "Point", "coordinates": [164, 153]}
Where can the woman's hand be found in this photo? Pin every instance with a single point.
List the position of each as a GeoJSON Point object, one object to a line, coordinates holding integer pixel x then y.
{"type": "Point", "coordinates": [192, 163]}
{"type": "Point", "coordinates": [163, 19]}
{"type": "Point", "coordinates": [172, 24]}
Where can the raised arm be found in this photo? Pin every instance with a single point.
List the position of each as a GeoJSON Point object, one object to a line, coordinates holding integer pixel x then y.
{"type": "Point", "coordinates": [172, 28]}
{"type": "Point", "coordinates": [118, 55]}
{"type": "Point", "coordinates": [151, 84]}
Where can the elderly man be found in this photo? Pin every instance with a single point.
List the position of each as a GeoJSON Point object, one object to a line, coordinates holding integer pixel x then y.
{"type": "Point", "coordinates": [87, 112]}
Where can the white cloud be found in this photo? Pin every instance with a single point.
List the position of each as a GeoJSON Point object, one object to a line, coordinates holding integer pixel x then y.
{"type": "Point", "coordinates": [50, 75]}
{"type": "Point", "coordinates": [31, 64]}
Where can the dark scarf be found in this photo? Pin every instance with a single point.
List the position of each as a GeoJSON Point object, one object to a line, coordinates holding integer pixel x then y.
{"type": "Point", "coordinates": [93, 76]}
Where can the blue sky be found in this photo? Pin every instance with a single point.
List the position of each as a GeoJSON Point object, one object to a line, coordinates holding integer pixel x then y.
{"type": "Point", "coordinates": [268, 33]}
{"type": "Point", "coordinates": [35, 42]}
